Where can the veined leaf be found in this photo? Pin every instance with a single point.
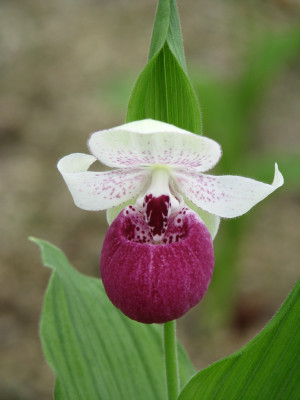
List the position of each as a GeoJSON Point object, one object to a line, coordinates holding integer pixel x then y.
{"type": "Point", "coordinates": [174, 36]}
{"type": "Point", "coordinates": [160, 28]}
{"type": "Point", "coordinates": [267, 368]}
{"type": "Point", "coordinates": [163, 91]}
{"type": "Point", "coordinates": [95, 351]}
{"type": "Point", "coordinates": [167, 30]}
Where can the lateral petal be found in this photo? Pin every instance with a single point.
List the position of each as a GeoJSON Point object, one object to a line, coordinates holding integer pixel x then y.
{"type": "Point", "coordinates": [100, 190]}
{"type": "Point", "coordinates": [227, 196]}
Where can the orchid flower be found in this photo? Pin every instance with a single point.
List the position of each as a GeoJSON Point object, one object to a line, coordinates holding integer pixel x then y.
{"type": "Point", "coordinates": [157, 257]}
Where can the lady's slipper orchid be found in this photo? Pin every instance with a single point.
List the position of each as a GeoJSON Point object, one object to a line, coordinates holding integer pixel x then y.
{"type": "Point", "coordinates": [157, 257]}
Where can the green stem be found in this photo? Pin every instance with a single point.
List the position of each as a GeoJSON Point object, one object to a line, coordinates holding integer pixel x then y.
{"type": "Point", "coordinates": [171, 362]}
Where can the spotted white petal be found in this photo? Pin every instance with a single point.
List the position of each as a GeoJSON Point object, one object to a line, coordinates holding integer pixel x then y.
{"type": "Point", "coordinates": [100, 190]}
{"type": "Point", "coordinates": [225, 196]}
{"type": "Point", "coordinates": [147, 142]}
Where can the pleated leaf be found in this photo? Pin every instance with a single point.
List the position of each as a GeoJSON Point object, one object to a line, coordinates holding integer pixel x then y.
{"type": "Point", "coordinates": [267, 368]}
{"type": "Point", "coordinates": [163, 90]}
{"type": "Point", "coordinates": [95, 351]}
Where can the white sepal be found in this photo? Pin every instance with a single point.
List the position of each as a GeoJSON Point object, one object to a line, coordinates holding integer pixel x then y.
{"type": "Point", "coordinates": [148, 142]}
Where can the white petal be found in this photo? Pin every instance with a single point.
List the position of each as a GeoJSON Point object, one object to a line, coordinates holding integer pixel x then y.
{"type": "Point", "coordinates": [226, 196]}
{"type": "Point", "coordinates": [100, 190]}
{"type": "Point", "coordinates": [150, 142]}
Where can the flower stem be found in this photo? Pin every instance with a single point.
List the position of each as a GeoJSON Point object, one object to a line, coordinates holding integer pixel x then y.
{"type": "Point", "coordinates": [171, 362]}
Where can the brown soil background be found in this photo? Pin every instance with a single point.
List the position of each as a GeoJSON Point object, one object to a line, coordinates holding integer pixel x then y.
{"type": "Point", "coordinates": [62, 67]}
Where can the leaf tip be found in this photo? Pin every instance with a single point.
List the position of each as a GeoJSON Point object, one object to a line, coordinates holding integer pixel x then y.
{"type": "Point", "coordinates": [33, 239]}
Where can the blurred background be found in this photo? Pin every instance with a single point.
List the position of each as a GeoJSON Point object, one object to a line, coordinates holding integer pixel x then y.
{"type": "Point", "coordinates": [67, 69]}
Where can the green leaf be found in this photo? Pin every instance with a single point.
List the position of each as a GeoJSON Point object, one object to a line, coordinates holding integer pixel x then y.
{"type": "Point", "coordinates": [94, 350]}
{"type": "Point", "coordinates": [267, 368]}
{"type": "Point", "coordinates": [174, 36]}
{"type": "Point", "coordinates": [160, 28]}
{"type": "Point", "coordinates": [167, 30]}
{"type": "Point", "coordinates": [163, 90]}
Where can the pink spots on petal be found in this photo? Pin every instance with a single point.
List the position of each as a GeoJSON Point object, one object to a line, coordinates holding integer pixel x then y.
{"type": "Point", "coordinates": [135, 228]}
{"type": "Point", "coordinates": [115, 185]}
{"type": "Point", "coordinates": [166, 148]}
